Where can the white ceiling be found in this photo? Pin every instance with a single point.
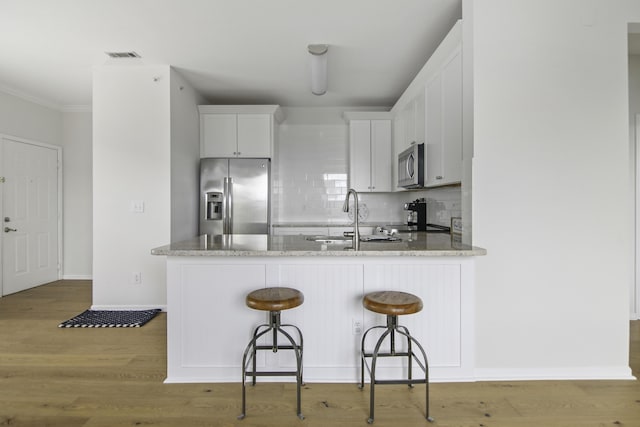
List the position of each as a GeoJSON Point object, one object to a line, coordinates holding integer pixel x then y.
{"type": "Point", "coordinates": [232, 51]}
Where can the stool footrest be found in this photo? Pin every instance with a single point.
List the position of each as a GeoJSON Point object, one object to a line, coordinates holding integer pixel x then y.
{"type": "Point", "coordinates": [279, 347]}
{"type": "Point", "coordinates": [416, 381]}
{"type": "Point", "coordinates": [270, 373]}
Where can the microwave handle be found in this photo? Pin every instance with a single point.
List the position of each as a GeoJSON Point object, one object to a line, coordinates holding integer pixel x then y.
{"type": "Point", "coordinates": [410, 160]}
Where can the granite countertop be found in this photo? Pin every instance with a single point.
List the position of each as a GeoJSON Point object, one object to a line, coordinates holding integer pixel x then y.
{"type": "Point", "coordinates": [420, 244]}
{"type": "Point", "coordinates": [324, 224]}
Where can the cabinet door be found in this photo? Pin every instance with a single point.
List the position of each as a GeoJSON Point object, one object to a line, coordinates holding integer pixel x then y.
{"type": "Point", "coordinates": [452, 120]}
{"type": "Point", "coordinates": [254, 135]}
{"type": "Point", "coordinates": [419, 121]}
{"type": "Point", "coordinates": [409, 115]}
{"type": "Point", "coordinates": [381, 155]}
{"type": "Point", "coordinates": [433, 126]}
{"type": "Point", "coordinates": [398, 142]}
{"type": "Point", "coordinates": [360, 155]}
{"type": "Point", "coordinates": [218, 135]}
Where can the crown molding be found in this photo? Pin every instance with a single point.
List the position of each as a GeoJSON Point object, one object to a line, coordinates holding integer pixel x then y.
{"type": "Point", "coordinates": [45, 103]}
{"type": "Point", "coordinates": [31, 98]}
{"type": "Point", "coordinates": [76, 108]}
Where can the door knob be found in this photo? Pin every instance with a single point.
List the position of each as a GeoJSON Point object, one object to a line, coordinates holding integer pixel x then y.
{"type": "Point", "coordinates": [7, 229]}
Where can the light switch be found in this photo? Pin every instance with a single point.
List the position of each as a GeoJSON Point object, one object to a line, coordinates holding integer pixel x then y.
{"type": "Point", "coordinates": [137, 206]}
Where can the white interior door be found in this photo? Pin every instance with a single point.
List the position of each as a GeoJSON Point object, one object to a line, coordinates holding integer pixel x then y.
{"type": "Point", "coordinates": [30, 215]}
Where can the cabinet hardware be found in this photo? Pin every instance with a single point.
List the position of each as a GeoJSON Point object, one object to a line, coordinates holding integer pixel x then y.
{"type": "Point", "coordinates": [7, 229]}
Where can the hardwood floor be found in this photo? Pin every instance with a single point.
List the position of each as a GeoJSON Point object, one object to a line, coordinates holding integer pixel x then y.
{"type": "Point", "coordinates": [114, 377]}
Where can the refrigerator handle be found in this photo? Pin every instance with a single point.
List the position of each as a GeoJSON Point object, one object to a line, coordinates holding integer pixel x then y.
{"type": "Point", "coordinates": [229, 212]}
{"type": "Point", "coordinates": [225, 208]}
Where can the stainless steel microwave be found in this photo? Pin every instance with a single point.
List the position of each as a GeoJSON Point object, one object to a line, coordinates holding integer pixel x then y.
{"type": "Point", "coordinates": [411, 167]}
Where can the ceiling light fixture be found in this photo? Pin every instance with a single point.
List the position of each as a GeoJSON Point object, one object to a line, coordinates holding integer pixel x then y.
{"type": "Point", "coordinates": [318, 68]}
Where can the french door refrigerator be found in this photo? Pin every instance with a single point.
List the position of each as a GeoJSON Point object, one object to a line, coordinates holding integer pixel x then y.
{"type": "Point", "coordinates": [234, 196]}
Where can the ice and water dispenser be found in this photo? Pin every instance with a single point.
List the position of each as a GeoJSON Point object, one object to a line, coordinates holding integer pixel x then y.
{"type": "Point", "coordinates": [213, 205]}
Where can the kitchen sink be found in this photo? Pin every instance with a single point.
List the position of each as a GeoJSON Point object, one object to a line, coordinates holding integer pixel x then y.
{"type": "Point", "coordinates": [337, 240]}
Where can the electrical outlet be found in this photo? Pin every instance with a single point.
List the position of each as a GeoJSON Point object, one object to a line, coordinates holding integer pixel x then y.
{"type": "Point", "coordinates": [136, 278]}
{"type": "Point", "coordinates": [357, 327]}
{"type": "Point", "coordinates": [137, 206]}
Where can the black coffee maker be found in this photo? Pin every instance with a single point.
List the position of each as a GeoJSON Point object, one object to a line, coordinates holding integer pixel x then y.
{"type": "Point", "coordinates": [417, 216]}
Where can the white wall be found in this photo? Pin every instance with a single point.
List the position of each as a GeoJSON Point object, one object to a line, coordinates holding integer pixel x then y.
{"type": "Point", "coordinates": [185, 158]}
{"type": "Point", "coordinates": [551, 187]}
{"type": "Point", "coordinates": [634, 109]}
{"type": "Point", "coordinates": [131, 161]}
{"type": "Point", "coordinates": [29, 120]}
{"type": "Point", "coordinates": [77, 192]}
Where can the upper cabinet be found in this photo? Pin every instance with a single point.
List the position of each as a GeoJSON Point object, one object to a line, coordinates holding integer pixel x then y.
{"type": "Point", "coordinates": [430, 111]}
{"type": "Point", "coordinates": [443, 122]}
{"type": "Point", "coordinates": [413, 121]}
{"type": "Point", "coordinates": [238, 130]}
{"type": "Point", "coordinates": [369, 151]}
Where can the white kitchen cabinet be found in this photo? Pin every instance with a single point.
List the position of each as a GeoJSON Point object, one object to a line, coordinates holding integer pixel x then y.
{"type": "Point", "coordinates": [254, 135]}
{"type": "Point", "coordinates": [430, 111]}
{"type": "Point", "coordinates": [444, 123]}
{"type": "Point", "coordinates": [218, 135]}
{"type": "Point", "coordinates": [452, 120]}
{"type": "Point", "coordinates": [414, 120]}
{"type": "Point", "coordinates": [238, 131]}
{"type": "Point", "coordinates": [370, 162]}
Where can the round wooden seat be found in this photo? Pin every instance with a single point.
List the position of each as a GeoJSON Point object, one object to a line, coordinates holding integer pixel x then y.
{"type": "Point", "coordinates": [274, 299]}
{"type": "Point", "coordinates": [392, 303]}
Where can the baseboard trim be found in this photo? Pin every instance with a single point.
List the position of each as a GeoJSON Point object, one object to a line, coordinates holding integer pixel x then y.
{"type": "Point", "coordinates": [77, 277]}
{"type": "Point", "coordinates": [554, 374]}
{"type": "Point", "coordinates": [128, 307]}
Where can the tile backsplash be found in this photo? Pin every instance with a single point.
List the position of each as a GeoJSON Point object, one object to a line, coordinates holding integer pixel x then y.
{"type": "Point", "coordinates": [310, 176]}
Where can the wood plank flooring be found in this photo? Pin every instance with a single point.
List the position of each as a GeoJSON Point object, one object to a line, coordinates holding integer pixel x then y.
{"type": "Point", "coordinates": [114, 377]}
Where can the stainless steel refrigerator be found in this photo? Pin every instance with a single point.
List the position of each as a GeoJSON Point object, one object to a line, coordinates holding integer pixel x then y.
{"type": "Point", "coordinates": [234, 196]}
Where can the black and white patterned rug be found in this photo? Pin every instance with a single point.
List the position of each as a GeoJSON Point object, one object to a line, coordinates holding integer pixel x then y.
{"type": "Point", "coordinates": [110, 319]}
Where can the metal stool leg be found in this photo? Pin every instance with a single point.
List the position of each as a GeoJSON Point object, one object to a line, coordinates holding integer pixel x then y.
{"type": "Point", "coordinates": [425, 367]}
{"type": "Point", "coordinates": [300, 347]}
{"type": "Point", "coordinates": [298, 354]}
{"type": "Point", "coordinates": [362, 354]}
{"type": "Point", "coordinates": [390, 329]}
{"type": "Point", "coordinates": [409, 351]}
{"type": "Point", "coordinates": [255, 333]}
{"type": "Point", "coordinates": [249, 356]}
{"type": "Point", "coordinates": [251, 347]}
{"type": "Point", "coordinates": [372, 374]}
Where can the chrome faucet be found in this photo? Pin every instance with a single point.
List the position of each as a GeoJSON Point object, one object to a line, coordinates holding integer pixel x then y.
{"type": "Point", "coordinates": [345, 208]}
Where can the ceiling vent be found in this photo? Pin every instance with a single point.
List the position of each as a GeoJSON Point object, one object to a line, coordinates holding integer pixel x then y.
{"type": "Point", "coordinates": [122, 55]}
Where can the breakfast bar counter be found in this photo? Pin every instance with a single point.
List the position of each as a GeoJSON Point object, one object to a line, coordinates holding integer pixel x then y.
{"type": "Point", "coordinates": [208, 323]}
{"type": "Point", "coordinates": [414, 244]}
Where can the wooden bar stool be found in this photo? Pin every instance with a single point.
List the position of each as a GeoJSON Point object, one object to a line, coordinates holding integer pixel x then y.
{"type": "Point", "coordinates": [393, 304]}
{"type": "Point", "coordinates": [273, 300]}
